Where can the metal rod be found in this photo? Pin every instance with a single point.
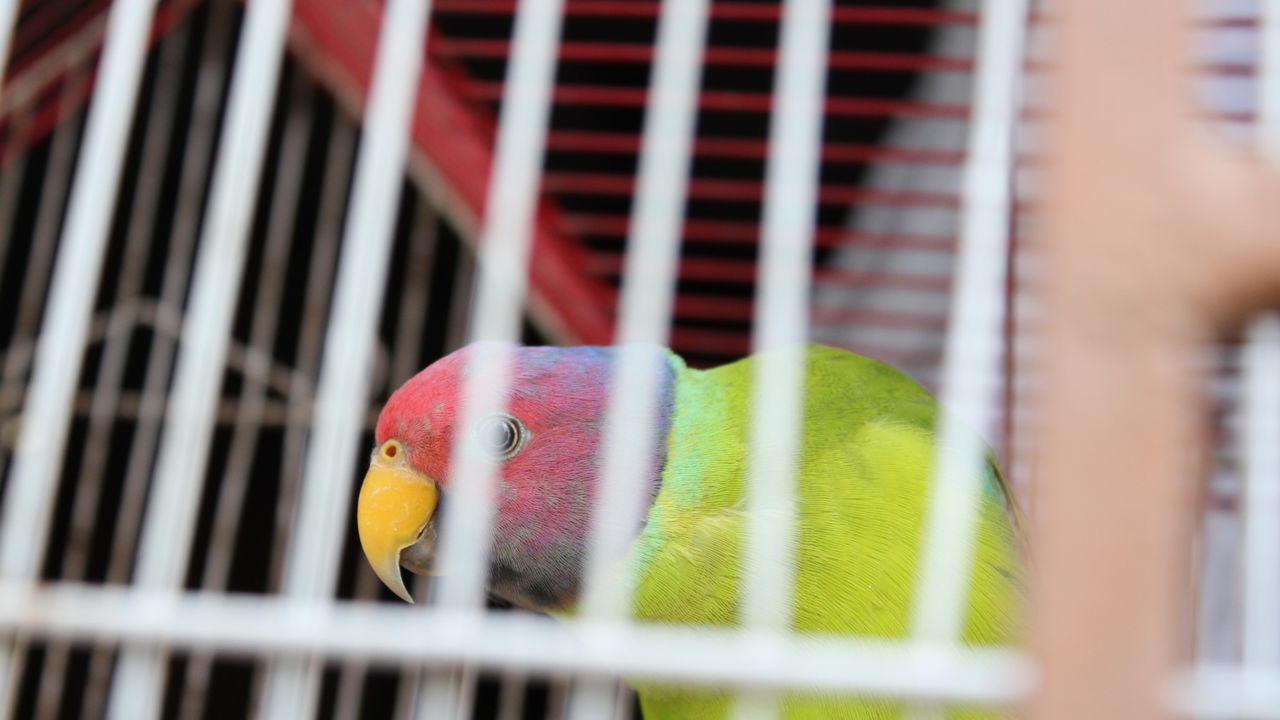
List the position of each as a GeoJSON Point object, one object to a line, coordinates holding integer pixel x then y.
{"type": "Point", "coordinates": [503, 278]}
{"type": "Point", "coordinates": [504, 248]}
{"type": "Point", "coordinates": [8, 20]}
{"type": "Point", "coordinates": [252, 403]}
{"type": "Point", "coordinates": [1260, 451]}
{"type": "Point", "coordinates": [410, 326]}
{"type": "Point", "coordinates": [43, 242]}
{"type": "Point", "coordinates": [781, 328]}
{"type": "Point", "coordinates": [103, 411]}
{"type": "Point", "coordinates": [334, 191]}
{"type": "Point", "coordinates": [312, 554]}
{"type": "Point", "coordinates": [1260, 398]}
{"type": "Point", "coordinates": [46, 414]}
{"type": "Point", "coordinates": [744, 11]}
{"type": "Point", "coordinates": [648, 289]}
{"type": "Point", "coordinates": [971, 359]}
{"type": "Point", "coordinates": [238, 624]}
{"type": "Point", "coordinates": [169, 523]}
{"type": "Point", "coordinates": [174, 285]}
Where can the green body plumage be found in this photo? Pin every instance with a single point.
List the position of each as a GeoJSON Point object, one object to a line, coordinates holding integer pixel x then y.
{"type": "Point", "coordinates": [863, 488]}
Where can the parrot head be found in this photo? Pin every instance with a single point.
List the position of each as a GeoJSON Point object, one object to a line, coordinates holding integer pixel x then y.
{"type": "Point", "coordinates": [546, 449]}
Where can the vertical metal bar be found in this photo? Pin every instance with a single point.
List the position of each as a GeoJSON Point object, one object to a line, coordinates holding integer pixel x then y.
{"type": "Point", "coordinates": [971, 358]}
{"type": "Point", "coordinates": [511, 701]}
{"type": "Point", "coordinates": [178, 249]}
{"type": "Point", "coordinates": [60, 165]}
{"type": "Point", "coordinates": [504, 247]}
{"type": "Point", "coordinates": [44, 241]}
{"type": "Point", "coordinates": [180, 468]}
{"type": "Point", "coordinates": [648, 289]}
{"type": "Point", "coordinates": [253, 396]}
{"type": "Point", "coordinates": [503, 278]}
{"type": "Point", "coordinates": [311, 563]}
{"type": "Point", "coordinates": [8, 20]}
{"type": "Point", "coordinates": [346, 706]}
{"type": "Point", "coordinates": [1260, 397]}
{"type": "Point", "coordinates": [1268, 79]}
{"type": "Point", "coordinates": [1260, 449]}
{"type": "Point", "coordinates": [323, 261]}
{"type": "Point", "coordinates": [104, 405]}
{"type": "Point", "coordinates": [439, 695]}
{"type": "Point", "coordinates": [324, 258]}
{"type": "Point", "coordinates": [403, 363]}
{"type": "Point", "coordinates": [463, 289]}
{"type": "Point", "coordinates": [626, 702]}
{"type": "Point", "coordinates": [782, 326]}
{"type": "Point", "coordinates": [556, 698]}
{"type": "Point", "coordinates": [47, 413]}
{"type": "Point", "coordinates": [247, 426]}
{"type": "Point", "coordinates": [407, 692]}
{"type": "Point", "coordinates": [406, 356]}
{"type": "Point", "coordinates": [414, 680]}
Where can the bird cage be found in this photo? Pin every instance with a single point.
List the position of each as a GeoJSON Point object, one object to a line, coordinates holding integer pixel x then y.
{"type": "Point", "coordinates": [228, 231]}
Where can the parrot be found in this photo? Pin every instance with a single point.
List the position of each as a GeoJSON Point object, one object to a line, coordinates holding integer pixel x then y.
{"type": "Point", "coordinates": [862, 488]}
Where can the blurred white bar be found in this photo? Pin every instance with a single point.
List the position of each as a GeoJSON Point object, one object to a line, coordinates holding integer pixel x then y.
{"type": "Point", "coordinates": [971, 360]}
{"type": "Point", "coordinates": [8, 21]}
{"type": "Point", "coordinates": [404, 362]}
{"type": "Point", "coordinates": [169, 522]}
{"type": "Point", "coordinates": [648, 289]}
{"type": "Point", "coordinates": [36, 276]}
{"type": "Point", "coordinates": [1260, 451]}
{"type": "Point", "coordinates": [781, 329]}
{"type": "Point", "coordinates": [239, 624]}
{"type": "Point", "coordinates": [1226, 692]}
{"type": "Point", "coordinates": [312, 556]}
{"type": "Point", "coordinates": [105, 403]}
{"type": "Point", "coordinates": [504, 246]}
{"type": "Point", "coordinates": [644, 321]}
{"type": "Point", "coordinates": [46, 414]}
{"type": "Point", "coordinates": [251, 402]}
{"type": "Point", "coordinates": [511, 697]}
{"type": "Point", "coordinates": [782, 310]}
{"type": "Point", "coordinates": [322, 267]}
{"type": "Point", "coordinates": [1260, 407]}
{"type": "Point", "coordinates": [439, 695]}
{"type": "Point", "coordinates": [1268, 73]}
{"type": "Point", "coordinates": [502, 263]}
{"type": "Point", "coordinates": [411, 325]}
{"type": "Point", "coordinates": [180, 249]}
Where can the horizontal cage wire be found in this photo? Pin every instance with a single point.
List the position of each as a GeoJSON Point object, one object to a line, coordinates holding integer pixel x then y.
{"type": "Point", "coordinates": [212, 279]}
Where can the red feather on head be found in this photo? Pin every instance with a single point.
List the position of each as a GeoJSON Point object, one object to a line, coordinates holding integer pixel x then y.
{"type": "Point", "coordinates": [547, 488]}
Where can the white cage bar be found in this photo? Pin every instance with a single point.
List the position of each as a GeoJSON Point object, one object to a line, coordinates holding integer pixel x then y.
{"type": "Point", "coordinates": [169, 523]}
{"type": "Point", "coordinates": [780, 331]}
{"type": "Point", "coordinates": [312, 554]}
{"type": "Point", "coordinates": [974, 333]}
{"type": "Point", "coordinates": [28, 497]}
{"type": "Point", "coordinates": [644, 320]}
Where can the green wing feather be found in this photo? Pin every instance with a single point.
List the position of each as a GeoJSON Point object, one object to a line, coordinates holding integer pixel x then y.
{"type": "Point", "coordinates": [863, 485]}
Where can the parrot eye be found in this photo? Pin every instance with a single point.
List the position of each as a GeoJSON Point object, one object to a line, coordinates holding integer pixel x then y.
{"type": "Point", "coordinates": [501, 435]}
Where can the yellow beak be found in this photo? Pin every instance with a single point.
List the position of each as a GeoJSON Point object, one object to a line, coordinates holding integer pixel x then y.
{"type": "Point", "coordinates": [396, 503]}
